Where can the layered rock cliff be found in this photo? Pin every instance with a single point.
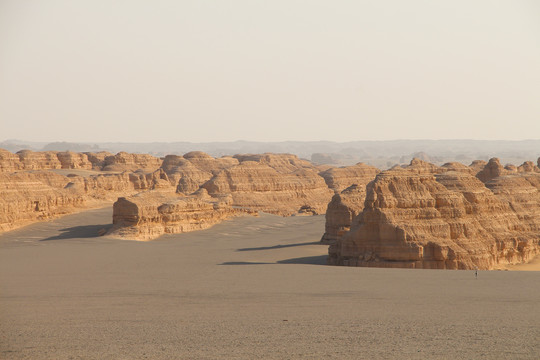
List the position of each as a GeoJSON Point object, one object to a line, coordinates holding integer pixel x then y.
{"type": "Point", "coordinates": [284, 189]}
{"type": "Point", "coordinates": [444, 219]}
{"type": "Point", "coordinates": [151, 214]}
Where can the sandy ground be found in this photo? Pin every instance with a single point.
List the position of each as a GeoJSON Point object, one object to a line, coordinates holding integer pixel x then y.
{"type": "Point", "coordinates": [247, 288]}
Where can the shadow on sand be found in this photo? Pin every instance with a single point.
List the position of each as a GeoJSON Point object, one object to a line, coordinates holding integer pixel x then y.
{"type": "Point", "coordinates": [79, 232]}
{"type": "Point", "coordinates": [279, 246]}
{"type": "Point", "coordinates": [307, 260]}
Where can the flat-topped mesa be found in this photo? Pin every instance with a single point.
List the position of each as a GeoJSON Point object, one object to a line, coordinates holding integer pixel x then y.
{"type": "Point", "coordinates": [73, 160]}
{"type": "Point", "coordinates": [458, 167]}
{"type": "Point", "coordinates": [149, 215]}
{"type": "Point", "coordinates": [32, 160]}
{"type": "Point", "coordinates": [338, 179]}
{"type": "Point", "coordinates": [448, 220]}
{"type": "Point", "coordinates": [260, 187]}
{"type": "Point", "coordinates": [124, 161]}
{"type": "Point", "coordinates": [207, 163]}
{"type": "Point", "coordinates": [282, 163]}
{"type": "Point", "coordinates": [341, 211]}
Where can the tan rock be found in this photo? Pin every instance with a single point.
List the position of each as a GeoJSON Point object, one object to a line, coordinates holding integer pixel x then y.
{"type": "Point", "coordinates": [492, 170]}
{"type": "Point", "coordinates": [342, 209]}
{"type": "Point", "coordinates": [338, 179]}
{"type": "Point", "coordinates": [73, 160]}
{"type": "Point", "coordinates": [449, 220]}
{"type": "Point", "coordinates": [9, 162]}
{"type": "Point", "coordinates": [32, 160]}
{"type": "Point", "coordinates": [258, 186]}
{"type": "Point", "coordinates": [98, 159]}
{"type": "Point", "coordinates": [124, 161]}
{"type": "Point", "coordinates": [149, 215]}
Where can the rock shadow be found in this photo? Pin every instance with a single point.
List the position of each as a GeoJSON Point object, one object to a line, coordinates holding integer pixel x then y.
{"type": "Point", "coordinates": [245, 263]}
{"type": "Point", "coordinates": [79, 232]}
{"type": "Point", "coordinates": [279, 246]}
{"type": "Point", "coordinates": [307, 260]}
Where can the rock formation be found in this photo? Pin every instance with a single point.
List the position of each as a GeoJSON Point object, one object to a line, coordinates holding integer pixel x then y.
{"type": "Point", "coordinates": [32, 160]}
{"type": "Point", "coordinates": [274, 184]}
{"type": "Point", "coordinates": [341, 178]}
{"type": "Point", "coordinates": [73, 160]}
{"type": "Point", "coordinates": [124, 161]}
{"type": "Point", "coordinates": [445, 220]}
{"type": "Point", "coordinates": [9, 162]}
{"type": "Point", "coordinates": [149, 215]}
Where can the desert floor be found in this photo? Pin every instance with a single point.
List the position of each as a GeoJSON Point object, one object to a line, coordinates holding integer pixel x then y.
{"type": "Point", "coordinates": [245, 289]}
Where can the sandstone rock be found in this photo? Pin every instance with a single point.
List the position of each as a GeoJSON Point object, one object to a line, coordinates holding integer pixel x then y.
{"type": "Point", "coordinates": [492, 170]}
{"type": "Point", "coordinates": [449, 220]}
{"type": "Point", "coordinates": [341, 178]}
{"type": "Point", "coordinates": [124, 161]}
{"type": "Point", "coordinates": [9, 162]}
{"type": "Point", "coordinates": [98, 159]}
{"type": "Point", "coordinates": [32, 160]}
{"type": "Point", "coordinates": [478, 165]}
{"type": "Point", "coordinates": [149, 215]}
{"type": "Point", "coordinates": [459, 167]}
{"type": "Point", "coordinates": [72, 160]}
{"type": "Point", "coordinates": [282, 163]}
{"type": "Point", "coordinates": [205, 162]}
{"type": "Point", "coordinates": [29, 197]}
{"type": "Point", "coordinates": [258, 186]}
{"type": "Point", "coordinates": [527, 166]}
{"type": "Point", "coordinates": [342, 209]}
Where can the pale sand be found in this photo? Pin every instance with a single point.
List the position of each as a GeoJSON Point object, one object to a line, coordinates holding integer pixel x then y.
{"type": "Point", "coordinates": [248, 288]}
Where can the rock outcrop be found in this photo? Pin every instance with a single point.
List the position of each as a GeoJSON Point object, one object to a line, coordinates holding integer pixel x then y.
{"type": "Point", "coordinates": [338, 179]}
{"type": "Point", "coordinates": [124, 161]}
{"type": "Point", "coordinates": [9, 162]}
{"type": "Point", "coordinates": [73, 160]}
{"type": "Point", "coordinates": [30, 197]}
{"type": "Point", "coordinates": [274, 185]}
{"type": "Point", "coordinates": [149, 215]}
{"type": "Point", "coordinates": [341, 211]}
{"type": "Point", "coordinates": [32, 160]}
{"type": "Point", "coordinates": [445, 220]}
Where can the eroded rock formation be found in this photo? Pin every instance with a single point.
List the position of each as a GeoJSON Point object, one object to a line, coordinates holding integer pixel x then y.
{"type": "Point", "coordinates": [445, 219]}
{"type": "Point", "coordinates": [274, 185]}
{"type": "Point", "coordinates": [149, 215]}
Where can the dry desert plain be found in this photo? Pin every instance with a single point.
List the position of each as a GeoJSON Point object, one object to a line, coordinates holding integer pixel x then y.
{"type": "Point", "coordinates": [250, 287]}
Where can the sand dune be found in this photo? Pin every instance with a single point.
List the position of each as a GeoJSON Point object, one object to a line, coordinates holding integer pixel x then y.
{"type": "Point", "coordinates": [246, 288]}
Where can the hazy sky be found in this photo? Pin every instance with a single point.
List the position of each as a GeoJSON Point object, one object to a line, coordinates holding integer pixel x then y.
{"type": "Point", "coordinates": [272, 70]}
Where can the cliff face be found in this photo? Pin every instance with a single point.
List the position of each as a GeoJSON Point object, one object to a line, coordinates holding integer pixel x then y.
{"type": "Point", "coordinates": [338, 179]}
{"type": "Point", "coordinates": [445, 220]}
{"type": "Point", "coordinates": [258, 186]}
{"type": "Point", "coordinates": [37, 195]}
{"type": "Point", "coordinates": [124, 161]}
{"type": "Point", "coordinates": [30, 197]}
{"type": "Point", "coordinates": [149, 215]}
{"type": "Point", "coordinates": [341, 211]}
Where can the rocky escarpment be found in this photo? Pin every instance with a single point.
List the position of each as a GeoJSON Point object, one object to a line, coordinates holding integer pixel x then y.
{"type": "Point", "coordinates": [338, 179]}
{"type": "Point", "coordinates": [30, 192]}
{"type": "Point", "coordinates": [444, 219]}
{"type": "Point", "coordinates": [124, 161]}
{"type": "Point", "coordinates": [272, 185]}
{"type": "Point", "coordinates": [149, 215]}
{"type": "Point", "coordinates": [190, 171]}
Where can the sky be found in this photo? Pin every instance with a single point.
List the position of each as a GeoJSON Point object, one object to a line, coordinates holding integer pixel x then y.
{"type": "Point", "coordinates": [214, 70]}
